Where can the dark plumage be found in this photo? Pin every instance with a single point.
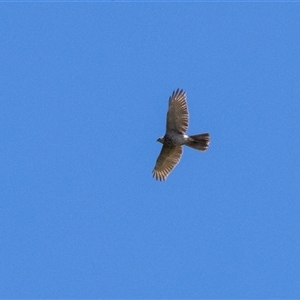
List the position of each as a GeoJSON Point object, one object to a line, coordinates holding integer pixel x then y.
{"type": "Point", "coordinates": [175, 137]}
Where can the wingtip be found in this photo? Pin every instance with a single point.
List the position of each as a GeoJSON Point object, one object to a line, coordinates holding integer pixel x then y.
{"type": "Point", "coordinates": [158, 177]}
{"type": "Point", "coordinates": [179, 91]}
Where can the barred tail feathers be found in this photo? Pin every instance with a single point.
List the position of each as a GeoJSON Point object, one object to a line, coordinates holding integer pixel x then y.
{"type": "Point", "coordinates": [199, 141]}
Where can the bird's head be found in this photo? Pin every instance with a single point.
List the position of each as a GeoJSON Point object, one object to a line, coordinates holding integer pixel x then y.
{"type": "Point", "coordinates": [160, 139]}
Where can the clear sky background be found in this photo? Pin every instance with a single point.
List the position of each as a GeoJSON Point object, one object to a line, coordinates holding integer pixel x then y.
{"type": "Point", "coordinates": [83, 98]}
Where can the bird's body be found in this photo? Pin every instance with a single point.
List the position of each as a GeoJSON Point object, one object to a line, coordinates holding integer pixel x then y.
{"type": "Point", "coordinates": [175, 137]}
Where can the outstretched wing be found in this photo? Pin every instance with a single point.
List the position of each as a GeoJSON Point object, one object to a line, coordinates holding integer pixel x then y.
{"type": "Point", "coordinates": [166, 161]}
{"type": "Point", "coordinates": [177, 116]}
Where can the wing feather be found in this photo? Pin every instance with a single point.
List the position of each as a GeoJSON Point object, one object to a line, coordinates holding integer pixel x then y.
{"type": "Point", "coordinates": [178, 116]}
{"type": "Point", "coordinates": [166, 161]}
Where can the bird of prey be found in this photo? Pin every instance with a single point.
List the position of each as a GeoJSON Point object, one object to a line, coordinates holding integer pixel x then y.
{"type": "Point", "coordinates": [175, 137]}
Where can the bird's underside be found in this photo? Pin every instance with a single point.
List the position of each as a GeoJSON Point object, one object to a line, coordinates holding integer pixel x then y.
{"type": "Point", "coordinates": [175, 138]}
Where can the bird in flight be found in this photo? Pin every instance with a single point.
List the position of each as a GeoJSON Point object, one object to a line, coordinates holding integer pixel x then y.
{"type": "Point", "coordinates": [175, 137]}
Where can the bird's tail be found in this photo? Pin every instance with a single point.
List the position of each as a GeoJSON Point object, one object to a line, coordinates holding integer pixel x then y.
{"type": "Point", "coordinates": [199, 141]}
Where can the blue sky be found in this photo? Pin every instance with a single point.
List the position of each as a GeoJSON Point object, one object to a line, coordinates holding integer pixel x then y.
{"type": "Point", "coordinates": [83, 98]}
